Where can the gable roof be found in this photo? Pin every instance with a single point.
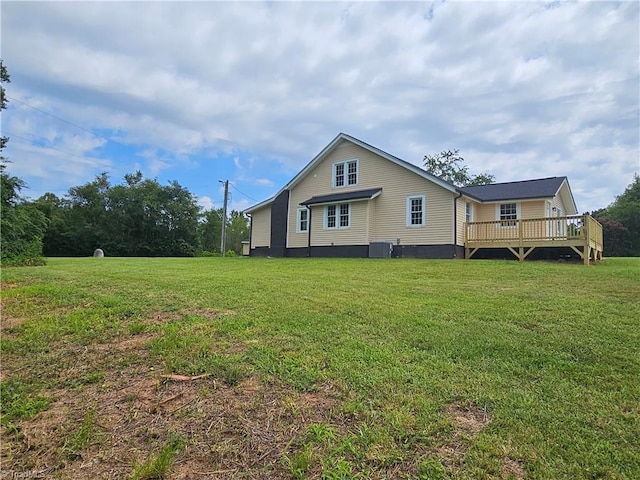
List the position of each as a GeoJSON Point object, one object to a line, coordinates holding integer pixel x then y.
{"type": "Point", "coordinates": [342, 137]}
{"type": "Point", "coordinates": [526, 189]}
{"type": "Point", "coordinates": [538, 188]}
{"type": "Point", "coordinates": [343, 197]}
{"type": "Point", "coordinates": [494, 192]}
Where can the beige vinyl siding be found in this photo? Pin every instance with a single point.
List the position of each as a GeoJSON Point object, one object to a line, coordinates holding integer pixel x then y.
{"type": "Point", "coordinates": [533, 209]}
{"type": "Point", "coordinates": [387, 216]}
{"type": "Point", "coordinates": [356, 234]}
{"type": "Point", "coordinates": [557, 202]}
{"type": "Point", "coordinates": [261, 227]}
{"type": "Point", "coordinates": [485, 212]}
{"type": "Point", "coordinates": [488, 212]}
{"type": "Point", "coordinates": [461, 212]}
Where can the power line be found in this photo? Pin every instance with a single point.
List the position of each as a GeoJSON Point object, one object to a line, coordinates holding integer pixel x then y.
{"type": "Point", "coordinates": [243, 194]}
{"type": "Point", "coordinates": [13, 135]}
{"type": "Point", "coordinates": [66, 121]}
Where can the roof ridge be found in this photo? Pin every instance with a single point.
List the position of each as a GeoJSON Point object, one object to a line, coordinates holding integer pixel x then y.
{"type": "Point", "coordinates": [515, 181]}
{"type": "Point", "coordinates": [529, 180]}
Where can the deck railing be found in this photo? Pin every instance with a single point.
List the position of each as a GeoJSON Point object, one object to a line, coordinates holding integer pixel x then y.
{"type": "Point", "coordinates": [573, 231]}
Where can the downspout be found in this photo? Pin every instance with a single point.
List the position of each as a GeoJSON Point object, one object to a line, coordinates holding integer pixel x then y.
{"type": "Point", "coordinates": [455, 225]}
{"type": "Point", "coordinates": [250, 232]}
{"type": "Point", "coordinates": [309, 233]}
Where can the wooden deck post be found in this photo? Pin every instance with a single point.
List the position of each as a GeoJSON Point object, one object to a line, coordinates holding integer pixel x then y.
{"type": "Point", "coordinates": [520, 241]}
{"type": "Point", "coordinates": [587, 241]}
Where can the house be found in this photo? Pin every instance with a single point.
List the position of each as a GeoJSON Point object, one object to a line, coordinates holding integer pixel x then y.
{"type": "Point", "coordinates": [355, 200]}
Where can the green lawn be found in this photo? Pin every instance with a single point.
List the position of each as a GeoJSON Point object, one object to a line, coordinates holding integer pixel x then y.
{"type": "Point", "coordinates": [321, 368]}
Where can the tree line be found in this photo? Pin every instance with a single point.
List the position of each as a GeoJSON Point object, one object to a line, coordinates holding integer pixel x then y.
{"type": "Point", "coordinates": [621, 222]}
{"type": "Point", "coordinates": [138, 217]}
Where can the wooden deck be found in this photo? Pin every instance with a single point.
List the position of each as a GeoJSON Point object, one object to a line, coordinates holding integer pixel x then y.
{"type": "Point", "coordinates": [581, 233]}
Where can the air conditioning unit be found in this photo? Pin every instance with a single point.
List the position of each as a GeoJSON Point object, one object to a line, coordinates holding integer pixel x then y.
{"type": "Point", "coordinates": [380, 249]}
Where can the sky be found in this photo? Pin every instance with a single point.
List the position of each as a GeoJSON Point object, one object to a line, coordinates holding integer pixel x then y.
{"type": "Point", "coordinates": [250, 92]}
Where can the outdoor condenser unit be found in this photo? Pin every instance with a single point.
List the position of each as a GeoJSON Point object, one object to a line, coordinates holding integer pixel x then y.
{"type": "Point", "coordinates": [380, 249]}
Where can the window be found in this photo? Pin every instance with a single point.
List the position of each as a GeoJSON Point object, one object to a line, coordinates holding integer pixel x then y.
{"type": "Point", "coordinates": [331, 216]}
{"type": "Point", "coordinates": [508, 213]}
{"type": "Point", "coordinates": [339, 174]}
{"type": "Point", "coordinates": [344, 215]}
{"type": "Point", "coordinates": [352, 173]}
{"type": "Point", "coordinates": [337, 216]}
{"type": "Point", "coordinates": [416, 211]}
{"type": "Point", "coordinates": [345, 173]}
{"type": "Point", "coordinates": [302, 225]}
{"type": "Point", "coordinates": [468, 212]}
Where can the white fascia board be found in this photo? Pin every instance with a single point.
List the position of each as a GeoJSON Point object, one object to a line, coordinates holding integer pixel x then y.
{"type": "Point", "coordinates": [260, 205]}
{"type": "Point", "coordinates": [572, 200]}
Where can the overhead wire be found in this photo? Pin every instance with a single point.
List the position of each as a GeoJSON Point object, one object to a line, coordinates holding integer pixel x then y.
{"type": "Point", "coordinates": [243, 194]}
{"type": "Point", "coordinates": [49, 147]}
{"type": "Point", "coordinates": [66, 121]}
{"type": "Point", "coordinates": [44, 112]}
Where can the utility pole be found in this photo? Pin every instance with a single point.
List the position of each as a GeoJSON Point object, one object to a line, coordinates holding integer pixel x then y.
{"type": "Point", "coordinates": [223, 241]}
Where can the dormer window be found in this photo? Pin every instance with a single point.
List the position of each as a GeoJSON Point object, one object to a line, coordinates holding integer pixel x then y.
{"type": "Point", "coordinates": [345, 174]}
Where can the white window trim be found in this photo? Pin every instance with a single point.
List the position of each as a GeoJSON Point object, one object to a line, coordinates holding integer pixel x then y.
{"type": "Point", "coordinates": [468, 212]}
{"type": "Point", "coordinates": [298, 219]}
{"type": "Point", "coordinates": [518, 216]}
{"type": "Point", "coordinates": [346, 173]}
{"type": "Point", "coordinates": [326, 216]}
{"type": "Point", "coordinates": [424, 211]}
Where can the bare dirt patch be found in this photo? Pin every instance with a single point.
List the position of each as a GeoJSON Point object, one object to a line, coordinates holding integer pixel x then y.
{"type": "Point", "coordinates": [225, 431]}
{"type": "Point", "coordinates": [468, 420]}
{"type": "Point", "coordinates": [7, 322]}
{"type": "Point", "coordinates": [512, 469]}
{"type": "Point", "coordinates": [124, 344]}
{"type": "Point", "coordinates": [207, 313]}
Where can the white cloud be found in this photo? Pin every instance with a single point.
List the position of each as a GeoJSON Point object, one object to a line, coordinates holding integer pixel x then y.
{"type": "Point", "coordinates": [523, 89]}
{"type": "Point", "coordinates": [264, 182]}
{"type": "Point", "coordinates": [206, 202]}
{"type": "Point", "coordinates": [239, 205]}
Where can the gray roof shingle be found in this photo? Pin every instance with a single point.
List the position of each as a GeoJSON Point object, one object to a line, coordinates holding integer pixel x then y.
{"type": "Point", "coordinates": [341, 197]}
{"type": "Point", "coordinates": [538, 188]}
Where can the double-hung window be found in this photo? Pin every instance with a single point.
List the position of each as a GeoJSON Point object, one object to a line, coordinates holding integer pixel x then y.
{"type": "Point", "coordinates": [468, 212]}
{"type": "Point", "coordinates": [337, 216]}
{"type": "Point", "coordinates": [302, 225]}
{"type": "Point", "coordinates": [508, 214]}
{"type": "Point", "coordinates": [345, 173]}
{"type": "Point", "coordinates": [416, 207]}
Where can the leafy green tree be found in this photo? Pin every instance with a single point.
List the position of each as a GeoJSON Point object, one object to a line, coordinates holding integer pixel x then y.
{"type": "Point", "coordinates": [621, 222]}
{"type": "Point", "coordinates": [237, 231]}
{"type": "Point", "coordinates": [180, 215]}
{"type": "Point", "coordinates": [137, 218]}
{"type": "Point", "coordinates": [87, 216]}
{"type": "Point", "coordinates": [449, 166]}
{"type": "Point", "coordinates": [21, 225]}
{"type": "Point", "coordinates": [210, 229]}
{"type": "Point", "coordinates": [58, 238]}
